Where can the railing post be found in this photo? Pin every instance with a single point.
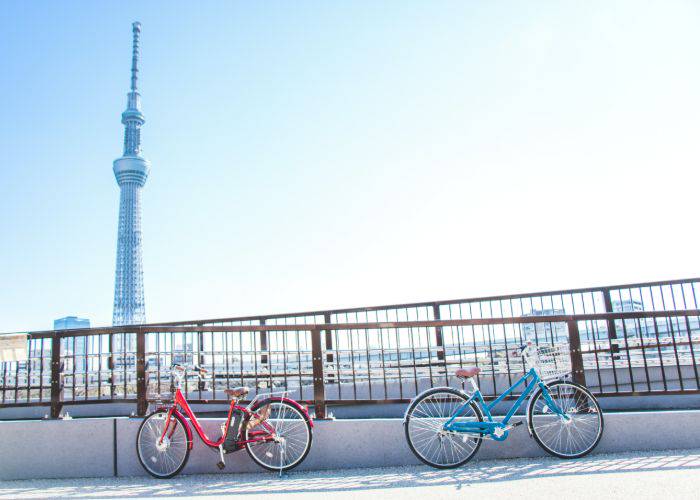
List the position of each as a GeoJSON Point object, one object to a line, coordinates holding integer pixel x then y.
{"type": "Point", "coordinates": [438, 333]}
{"type": "Point", "coordinates": [264, 357]}
{"type": "Point", "coordinates": [200, 348]}
{"type": "Point", "coordinates": [56, 376]}
{"type": "Point", "coordinates": [317, 369]}
{"type": "Point", "coordinates": [607, 299]}
{"type": "Point", "coordinates": [110, 365]}
{"type": "Point", "coordinates": [612, 330]}
{"type": "Point", "coordinates": [141, 401]}
{"type": "Point", "coordinates": [329, 346]}
{"type": "Point", "coordinates": [579, 375]}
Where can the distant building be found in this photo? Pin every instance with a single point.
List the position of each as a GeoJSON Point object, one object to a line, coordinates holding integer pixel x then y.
{"type": "Point", "coordinates": [556, 332]}
{"type": "Point", "coordinates": [70, 322]}
{"type": "Point", "coordinates": [77, 346]}
{"type": "Point", "coordinates": [627, 305]}
{"type": "Point", "coordinates": [545, 312]}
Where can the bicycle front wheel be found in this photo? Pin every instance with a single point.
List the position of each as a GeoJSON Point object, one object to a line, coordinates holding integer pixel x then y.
{"type": "Point", "coordinates": [573, 434]}
{"type": "Point", "coordinates": [162, 452]}
{"type": "Point", "coordinates": [426, 436]}
{"type": "Point", "coordinates": [277, 435]}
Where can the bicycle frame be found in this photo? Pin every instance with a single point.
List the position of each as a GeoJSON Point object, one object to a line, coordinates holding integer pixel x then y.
{"type": "Point", "coordinates": [180, 402]}
{"type": "Point", "coordinates": [498, 430]}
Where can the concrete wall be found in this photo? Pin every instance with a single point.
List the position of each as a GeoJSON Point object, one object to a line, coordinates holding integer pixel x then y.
{"type": "Point", "coordinates": [57, 448]}
{"type": "Point", "coordinates": [98, 447]}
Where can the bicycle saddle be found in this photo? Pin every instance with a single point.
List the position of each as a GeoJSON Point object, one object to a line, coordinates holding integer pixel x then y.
{"type": "Point", "coordinates": [468, 372]}
{"type": "Point", "coordinates": [237, 392]}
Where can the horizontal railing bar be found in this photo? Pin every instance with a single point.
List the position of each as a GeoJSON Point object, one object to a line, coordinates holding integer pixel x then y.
{"type": "Point", "coordinates": [70, 402]}
{"type": "Point", "coordinates": [366, 326]}
{"type": "Point", "coordinates": [624, 348]}
{"type": "Point", "coordinates": [25, 404]}
{"type": "Point", "coordinates": [661, 392]}
{"type": "Point", "coordinates": [344, 402]}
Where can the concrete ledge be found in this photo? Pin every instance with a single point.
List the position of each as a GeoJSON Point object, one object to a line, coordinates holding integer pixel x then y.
{"type": "Point", "coordinates": [56, 448]}
{"type": "Point", "coordinates": [89, 447]}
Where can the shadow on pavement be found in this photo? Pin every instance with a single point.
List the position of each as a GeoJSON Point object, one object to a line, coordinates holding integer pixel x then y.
{"type": "Point", "coordinates": [349, 480]}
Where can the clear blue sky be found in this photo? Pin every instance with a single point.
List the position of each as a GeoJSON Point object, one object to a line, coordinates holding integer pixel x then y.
{"type": "Point", "coordinates": [327, 154]}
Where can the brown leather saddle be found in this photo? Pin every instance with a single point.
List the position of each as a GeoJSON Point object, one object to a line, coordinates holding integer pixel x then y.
{"type": "Point", "coordinates": [468, 372]}
{"type": "Point", "coordinates": [237, 392]}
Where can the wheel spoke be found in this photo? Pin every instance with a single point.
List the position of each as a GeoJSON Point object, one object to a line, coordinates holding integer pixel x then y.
{"type": "Point", "coordinates": [573, 435]}
{"type": "Point", "coordinates": [162, 459]}
{"type": "Point", "coordinates": [425, 432]}
{"type": "Point", "coordinates": [293, 435]}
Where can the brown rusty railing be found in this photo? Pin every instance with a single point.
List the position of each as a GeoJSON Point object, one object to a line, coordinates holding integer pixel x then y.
{"type": "Point", "coordinates": [626, 353]}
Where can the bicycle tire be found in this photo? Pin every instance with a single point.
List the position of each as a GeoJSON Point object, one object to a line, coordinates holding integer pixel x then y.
{"type": "Point", "coordinates": [538, 433]}
{"type": "Point", "coordinates": [139, 449]}
{"type": "Point", "coordinates": [251, 448]}
{"type": "Point", "coordinates": [410, 416]}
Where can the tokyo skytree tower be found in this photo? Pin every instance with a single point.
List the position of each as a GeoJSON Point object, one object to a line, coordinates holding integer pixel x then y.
{"type": "Point", "coordinates": [131, 171]}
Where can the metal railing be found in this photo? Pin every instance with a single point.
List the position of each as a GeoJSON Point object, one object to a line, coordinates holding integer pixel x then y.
{"type": "Point", "coordinates": [668, 295]}
{"type": "Point", "coordinates": [351, 363]}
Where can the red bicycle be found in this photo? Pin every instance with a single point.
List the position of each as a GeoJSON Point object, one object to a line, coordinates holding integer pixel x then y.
{"type": "Point", "coordinates": [274, 429]}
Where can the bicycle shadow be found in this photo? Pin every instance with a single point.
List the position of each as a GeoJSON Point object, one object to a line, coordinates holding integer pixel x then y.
{"type": "Point", "coordinates": [353, 480]}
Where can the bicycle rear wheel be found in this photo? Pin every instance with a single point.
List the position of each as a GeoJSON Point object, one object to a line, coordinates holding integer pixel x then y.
{"type": "Point", "coordinates": [166, 458]}
{"type": "Point", "coordinates": [426, 437]}
{"type": "Point", "coordinates": [281, 435]}
{"type": "Point", "coordinates": [574, 436]}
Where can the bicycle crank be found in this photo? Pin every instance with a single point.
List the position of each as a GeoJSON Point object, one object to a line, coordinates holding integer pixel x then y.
{"type": "Point", "coordinates": [501, 433]}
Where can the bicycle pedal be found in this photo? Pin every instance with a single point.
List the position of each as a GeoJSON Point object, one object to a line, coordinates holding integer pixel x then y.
{"type": "Point", "coordinates": [221, 465]}
{"type": "Point", "coordinates": [520, 422]}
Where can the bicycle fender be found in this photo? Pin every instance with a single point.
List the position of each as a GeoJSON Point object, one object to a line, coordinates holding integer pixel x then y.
{"type": "Point", "coordinates": [527, 416]}
{"type": "Point", "coordinates": [529, 403]}
{"type": "Point", "coordinates": [405, 413]}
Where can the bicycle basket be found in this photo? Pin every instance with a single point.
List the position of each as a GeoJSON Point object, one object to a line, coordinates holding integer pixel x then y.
{"type": "Point", "coordinates": [550, 361]}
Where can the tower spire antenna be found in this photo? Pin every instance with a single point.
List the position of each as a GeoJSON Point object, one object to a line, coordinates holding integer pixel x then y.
{"type": "Point", "coordinates": [136, 29]}
{"type": "Point", "coordinates": [132, 118]}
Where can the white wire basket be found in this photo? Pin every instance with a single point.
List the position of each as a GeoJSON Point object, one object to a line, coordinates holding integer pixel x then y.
{"type": "Point", "coordinates": [549, 361]}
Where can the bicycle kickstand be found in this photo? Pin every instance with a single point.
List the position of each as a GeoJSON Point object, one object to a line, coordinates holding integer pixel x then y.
{"type": "Point", "coordinates": [221, 463]}
{"type": "Point", "coordinates": [283, 453]}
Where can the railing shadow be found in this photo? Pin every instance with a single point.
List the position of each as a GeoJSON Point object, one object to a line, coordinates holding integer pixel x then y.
{"type": "Point", "coordinates": [353, 480]}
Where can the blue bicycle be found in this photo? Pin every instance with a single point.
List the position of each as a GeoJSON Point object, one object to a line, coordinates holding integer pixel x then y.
{"type": "Point", "coordinates": [445, 426]}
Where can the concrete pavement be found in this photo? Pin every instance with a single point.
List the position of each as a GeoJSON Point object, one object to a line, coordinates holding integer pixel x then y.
{"type": "Point", "coordinates": [639, 475]}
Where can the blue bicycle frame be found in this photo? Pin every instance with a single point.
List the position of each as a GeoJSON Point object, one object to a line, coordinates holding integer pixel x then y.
{"type": "Point", "coordinates": [499, 430]}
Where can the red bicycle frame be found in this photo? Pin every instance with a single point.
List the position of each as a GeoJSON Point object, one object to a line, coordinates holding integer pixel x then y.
{"type": "Point", "coordinates": [180, 402]}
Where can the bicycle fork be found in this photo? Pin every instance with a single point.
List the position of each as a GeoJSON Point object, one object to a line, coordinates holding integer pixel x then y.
{"type": "Point", "coordinates": [168, 421]}
{"type": "Point", "coordinates": [551, 404]}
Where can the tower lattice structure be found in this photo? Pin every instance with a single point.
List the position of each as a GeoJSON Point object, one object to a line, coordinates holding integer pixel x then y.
{"type": "Point", "coordinates": [131, 172]}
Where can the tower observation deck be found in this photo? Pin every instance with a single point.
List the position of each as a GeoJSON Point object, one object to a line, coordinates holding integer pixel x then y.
{"type": "Point", "coordinates": [131, 172]}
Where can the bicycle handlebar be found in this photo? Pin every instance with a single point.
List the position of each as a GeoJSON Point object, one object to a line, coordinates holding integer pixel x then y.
{"type": "Point", "coordinates": [520, 350]}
